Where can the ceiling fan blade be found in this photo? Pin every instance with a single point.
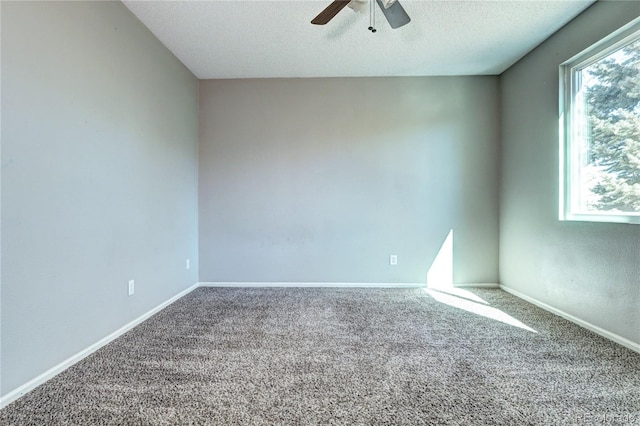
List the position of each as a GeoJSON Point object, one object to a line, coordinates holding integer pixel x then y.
{"type": "Point", "coordinates": [395, 14]}
{"type": "Point", "coordinates": [331, 11]}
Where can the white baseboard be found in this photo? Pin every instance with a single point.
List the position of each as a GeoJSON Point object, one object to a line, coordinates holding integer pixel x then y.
{"type": "Point", "coordinates": [311, 284]}
{"type": "Point", "coordinates": [336, 284]}
{"type": "Point", "coordinates": [582, 323]}
{"type": "Point", "coordinates": [477, 285]}
{"type": "Point", "coordinates": [37, 381]}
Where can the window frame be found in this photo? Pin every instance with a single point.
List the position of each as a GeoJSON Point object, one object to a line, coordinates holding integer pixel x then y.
{"type": "Point", "coordinates": [570, 144]}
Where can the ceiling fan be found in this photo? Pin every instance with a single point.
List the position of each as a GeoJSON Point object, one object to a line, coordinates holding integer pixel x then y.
{"type": "Point", "coordinates": [391, 9]}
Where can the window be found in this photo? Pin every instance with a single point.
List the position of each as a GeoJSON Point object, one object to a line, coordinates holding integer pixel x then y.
{"type": "Point", "coordinates": [600, 130]}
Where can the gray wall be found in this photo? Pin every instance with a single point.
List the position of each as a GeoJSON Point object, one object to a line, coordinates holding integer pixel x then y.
{"type": "Point", "coordinates": [99, 178]}
{"type": "Point", "coordinates": [320, 180]}
{"type": "Point", "coordinates": [589, 270]}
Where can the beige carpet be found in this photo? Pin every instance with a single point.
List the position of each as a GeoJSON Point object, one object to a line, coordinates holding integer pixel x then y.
{"type": "Point", "coordinates": [300, 356]}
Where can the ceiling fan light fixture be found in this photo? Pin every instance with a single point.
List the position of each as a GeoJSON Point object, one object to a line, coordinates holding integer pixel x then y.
{"type": "Point", "coordinates": [391, 9]}
{"type": "Point", "coordinates": [387, 3]}
{"type": "Point", "coordinates": [359, 6]}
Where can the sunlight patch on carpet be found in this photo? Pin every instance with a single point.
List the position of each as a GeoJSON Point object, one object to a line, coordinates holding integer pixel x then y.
{"type": "Point", "coordinates": [467, 301]}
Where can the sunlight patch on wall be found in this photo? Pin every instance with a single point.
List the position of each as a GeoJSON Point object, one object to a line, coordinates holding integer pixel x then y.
{"type": "Point", "coordinates": [440, 274]}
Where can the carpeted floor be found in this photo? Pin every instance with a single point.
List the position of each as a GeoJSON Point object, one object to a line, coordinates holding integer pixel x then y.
{"type": "Point", "coordinates": [301, 356]}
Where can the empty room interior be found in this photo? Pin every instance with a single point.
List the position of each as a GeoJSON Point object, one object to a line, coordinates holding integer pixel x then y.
{"type": "Point", "coordinates": [220, 213]}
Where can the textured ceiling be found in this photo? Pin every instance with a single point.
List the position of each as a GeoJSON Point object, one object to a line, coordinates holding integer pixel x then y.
{"type": "Point", "coordinates": [252, 39]}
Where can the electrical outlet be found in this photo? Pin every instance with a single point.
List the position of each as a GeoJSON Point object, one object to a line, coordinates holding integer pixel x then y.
{"type": "Point", "coordinates": [188, 264]}
{"type": "Point", "coordinates": [393, 259]}
{"type": "Point", "coordinates": [132, 287]}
